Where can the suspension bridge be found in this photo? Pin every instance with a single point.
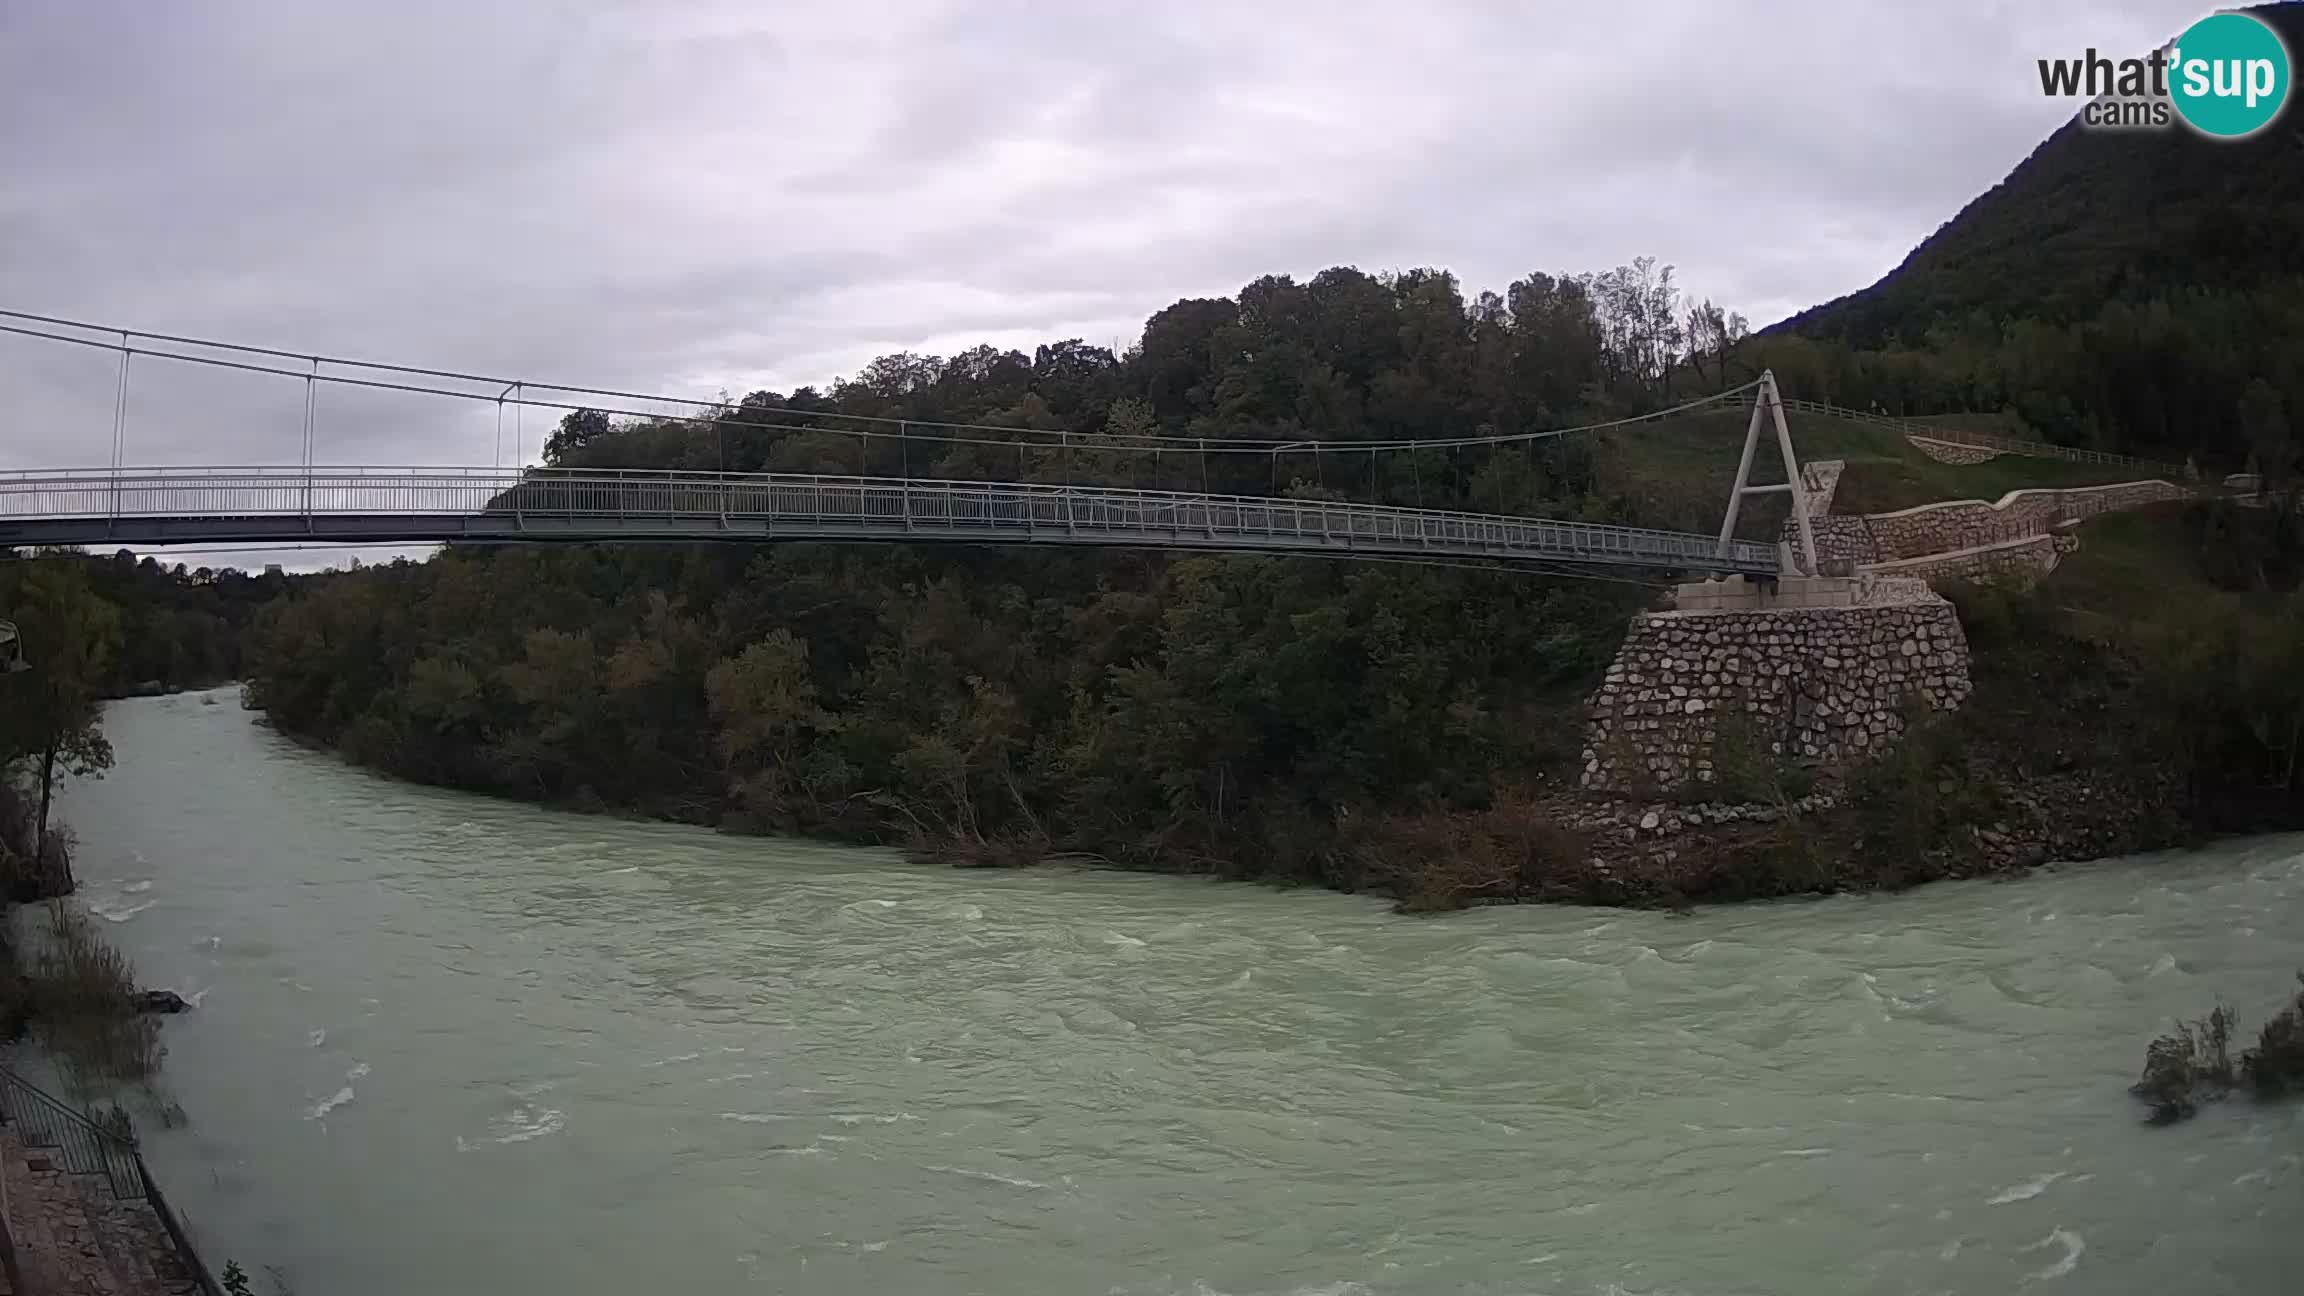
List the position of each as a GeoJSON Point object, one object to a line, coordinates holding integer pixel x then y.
{"type": "Point", "coordinates": [1047, 502]}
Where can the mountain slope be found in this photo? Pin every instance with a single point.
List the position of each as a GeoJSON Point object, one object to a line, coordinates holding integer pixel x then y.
{"type": "Point", "coordinates": [2093, 216]}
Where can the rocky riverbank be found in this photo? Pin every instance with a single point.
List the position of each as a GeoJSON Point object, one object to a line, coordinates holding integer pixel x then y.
{"type": "Point", "coordinates": [1646, 852]}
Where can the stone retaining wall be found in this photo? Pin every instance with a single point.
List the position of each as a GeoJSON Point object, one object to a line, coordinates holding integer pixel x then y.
{"type": "Point", "coordinates": [1819, 478]}
{"type": "Point", "coordinates": [1967, 524]}
{"type": "Point", "coordinates": [1837, 538]}
{"type": "Point", "coordinates": [1952, 452]}
{"type": "Point", "coordinates": [1882, 589]}
{"type": "Point", "coordinates": [2015, 562]}
{"type": "Point", "coordinates": [1820, 686]}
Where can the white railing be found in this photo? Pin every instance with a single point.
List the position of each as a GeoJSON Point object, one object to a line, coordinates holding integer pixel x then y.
{"type": "Point", "coordinates": [421, 504]}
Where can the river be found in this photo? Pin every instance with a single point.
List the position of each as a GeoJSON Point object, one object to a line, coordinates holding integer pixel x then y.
{"type": "Point", "coordinates": [451, 1044]}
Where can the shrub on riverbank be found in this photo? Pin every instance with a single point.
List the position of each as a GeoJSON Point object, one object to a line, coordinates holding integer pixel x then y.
{"type": "Point", "coordinates": [2193, 1064]}
{"type": "Point", "coordinates": [2187, 1066]}
{"type": "Point", "coordinates": [2275, 1066]}
{"type": "Point", "coordinates": [1439, 860]}
{"type": "Point", "coordinates": [81, 997]}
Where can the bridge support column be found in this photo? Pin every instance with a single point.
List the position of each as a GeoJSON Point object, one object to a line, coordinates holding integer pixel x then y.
{"type": "Point", "coordinates": [1768, 406]}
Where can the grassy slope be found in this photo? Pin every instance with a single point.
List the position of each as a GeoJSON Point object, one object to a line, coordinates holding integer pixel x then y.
{"type": "Point", "coordinates": [2137, 567]}
{"type": "Point", "coordinates": [2135, 663]}
{"type": "Point", "coordinates": [1676, 473]}
{"type": "Point", "coordinates": [2148, 570]}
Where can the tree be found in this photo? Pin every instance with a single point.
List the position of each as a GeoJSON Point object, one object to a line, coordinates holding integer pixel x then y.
{"type": "Point", "coordinates": [1131, 419]}
{"type": "Point", "coordinates": [70, 637]}
{"type": "Point", "coordinates": [579, 428]}
{"type": "Point", "coordinates": [1733, 332]}
{"type": "Point", "coordinates": [2264, 423]}
{"type": "Point", "coordinates": [764, 701]}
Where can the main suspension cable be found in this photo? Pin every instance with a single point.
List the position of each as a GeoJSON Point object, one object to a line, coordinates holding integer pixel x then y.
{"type": "Point", "coordinates": [720, 412]}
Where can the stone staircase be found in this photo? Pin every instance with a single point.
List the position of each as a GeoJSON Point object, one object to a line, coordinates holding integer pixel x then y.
{"type": "Point", "coordinates": [67, 1235]}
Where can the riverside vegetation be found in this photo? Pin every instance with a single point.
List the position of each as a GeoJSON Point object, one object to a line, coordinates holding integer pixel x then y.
{"type": "Point", "coordinates": [64, 984]}
{"type": "Point", "coordinates": [2193, 1064]}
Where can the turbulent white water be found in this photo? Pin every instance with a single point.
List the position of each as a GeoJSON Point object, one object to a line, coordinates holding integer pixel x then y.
{"type": "Point", "coordinates": [448, 1044]}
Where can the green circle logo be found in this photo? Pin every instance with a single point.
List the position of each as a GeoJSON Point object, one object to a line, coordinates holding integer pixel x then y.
{"type": "Point", "coordinates": [2228, 75]}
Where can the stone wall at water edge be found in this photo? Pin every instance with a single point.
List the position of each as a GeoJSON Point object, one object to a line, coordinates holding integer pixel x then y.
{"type": "Point", "coordinates": [1819, 686]}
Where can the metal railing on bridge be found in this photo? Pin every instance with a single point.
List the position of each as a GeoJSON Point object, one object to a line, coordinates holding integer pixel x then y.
{"type": "Point", "coordinates": [446, 504]}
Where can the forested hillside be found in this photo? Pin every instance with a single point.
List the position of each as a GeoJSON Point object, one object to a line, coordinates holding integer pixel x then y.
{"type": "Point", "coordinates": [177, 627]}
{"type": "Point", "coordinates": [2120, 289]}
{"type": "Point", "coordinates": [181, 627]}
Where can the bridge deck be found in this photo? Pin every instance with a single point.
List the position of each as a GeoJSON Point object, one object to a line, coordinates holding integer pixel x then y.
{"type": "Point", "coordinates": [386, 505]}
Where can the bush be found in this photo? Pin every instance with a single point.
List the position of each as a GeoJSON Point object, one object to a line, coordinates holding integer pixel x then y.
{"type": "Point", "coordinates": [1436, 860]}
{"type": "Point", "coordinates": [81, 995]}
{"type": "Point", "coordinates": [1749, 765]}
{"type": "Point", "coordinates": [1921, 794]}
{"type": "Point", "coordinates": [2187, 1066]}
{"type": "Point", "coordinates": [2193, 1063]}
{"type": "Point", "coordinates": [2276, 1065]}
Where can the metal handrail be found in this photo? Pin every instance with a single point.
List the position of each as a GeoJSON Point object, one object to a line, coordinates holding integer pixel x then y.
{"type": "Point", "coordinates": [92, 506]}
{"type": "Point", "coordinates": [83, 1145]}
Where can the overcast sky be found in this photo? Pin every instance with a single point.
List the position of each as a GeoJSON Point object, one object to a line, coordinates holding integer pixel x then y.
{"type": "Point", "coordinates": [708, 195]}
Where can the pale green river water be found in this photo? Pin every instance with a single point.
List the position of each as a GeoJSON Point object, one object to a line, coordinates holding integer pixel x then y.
{"type": "Point", "coordinates": [448, 1044]}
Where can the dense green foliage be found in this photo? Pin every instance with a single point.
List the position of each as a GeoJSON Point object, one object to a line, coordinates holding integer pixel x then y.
{"type": "Point", "coordinates": [2182, 628]}
{"type": "Point", "coordinates": [48, 711]}
{"type": "Point", "coordinates": [179, 628]}
{"type": "Point", "coordinates": [1217, 713]}
{"type": "Point", "coordinates": [93, 628]}
{"type": "Point", "coordinates": [2119, 289]}
{"type": "Point", "coordinates": [1345, 357]}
